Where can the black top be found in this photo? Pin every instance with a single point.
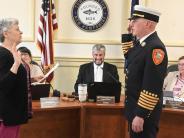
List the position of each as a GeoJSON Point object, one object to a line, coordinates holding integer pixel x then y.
{"type": "Point", "coordinates": [13, 91]}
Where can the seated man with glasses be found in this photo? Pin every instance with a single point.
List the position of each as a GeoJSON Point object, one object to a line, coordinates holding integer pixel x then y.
{"type": "Point", "coordinates": [174, 81]}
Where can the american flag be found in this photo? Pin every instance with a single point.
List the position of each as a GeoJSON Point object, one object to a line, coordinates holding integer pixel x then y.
{"type": "Point", "coordinates": [134, 2]}
{"type": "Point", "coordinates": [47, 24]}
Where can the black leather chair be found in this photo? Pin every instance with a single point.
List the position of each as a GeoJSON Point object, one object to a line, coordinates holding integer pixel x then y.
{"type": "Point", "coordinates": [171, 68]}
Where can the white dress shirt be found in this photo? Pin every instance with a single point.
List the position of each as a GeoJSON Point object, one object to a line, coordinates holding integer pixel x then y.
{"type": "Point", "coordinates": [98, 72]}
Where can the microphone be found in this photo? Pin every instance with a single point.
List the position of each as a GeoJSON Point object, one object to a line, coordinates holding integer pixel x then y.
{"type": "Point", "coordinates": [116, 80]}
{"type": "Point", "coordinates": [110, 75]}
{"type": "Point", "coordinates": [55, 92]}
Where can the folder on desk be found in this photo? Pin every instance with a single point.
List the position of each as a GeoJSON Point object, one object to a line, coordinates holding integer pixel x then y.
{"type": "Point", "coordinates": [104, 89]}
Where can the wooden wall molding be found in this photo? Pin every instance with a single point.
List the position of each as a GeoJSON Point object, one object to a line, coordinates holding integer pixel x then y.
{"type": "Point", "coordinates": [76, 62]}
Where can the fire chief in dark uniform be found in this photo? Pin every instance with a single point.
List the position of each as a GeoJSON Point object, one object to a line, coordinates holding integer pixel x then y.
{"type": "Point", "coordinates": [146, 68]}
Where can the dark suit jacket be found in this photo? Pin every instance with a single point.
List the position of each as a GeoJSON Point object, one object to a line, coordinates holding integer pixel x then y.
{"type": "Point", "coordinates": [86, 74]}
{"type": "Point", "coordinates": [13, 91]}
{"type": "Point", "coordinates": [144, 80]}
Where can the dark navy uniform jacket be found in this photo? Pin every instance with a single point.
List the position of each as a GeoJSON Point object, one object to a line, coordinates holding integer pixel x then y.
{"type": "Point", "coordinates": [146, 69]}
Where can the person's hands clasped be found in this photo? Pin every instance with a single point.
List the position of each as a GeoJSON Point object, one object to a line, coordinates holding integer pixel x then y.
{"type": "Point", "coordinates": [137, 124]}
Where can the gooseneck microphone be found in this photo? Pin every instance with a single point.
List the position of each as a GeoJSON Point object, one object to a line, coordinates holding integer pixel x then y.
{"type": "Point", "coordinates": [110, 75]}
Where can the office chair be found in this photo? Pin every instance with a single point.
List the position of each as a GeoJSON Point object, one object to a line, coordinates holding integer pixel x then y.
{"type": "Point", "coordinates": [171, 68]}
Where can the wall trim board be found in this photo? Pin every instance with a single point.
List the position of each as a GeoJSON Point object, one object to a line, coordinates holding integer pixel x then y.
{"type": "Point", "coordinates": [76, 62]}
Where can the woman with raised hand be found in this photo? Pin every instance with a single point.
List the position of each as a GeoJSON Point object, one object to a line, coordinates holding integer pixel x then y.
{"type": "Point", "coordinates": [15, 97]}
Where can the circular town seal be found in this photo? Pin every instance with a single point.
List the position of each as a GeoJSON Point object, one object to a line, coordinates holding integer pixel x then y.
{"type": "Point", "coordinates": [90, 15]}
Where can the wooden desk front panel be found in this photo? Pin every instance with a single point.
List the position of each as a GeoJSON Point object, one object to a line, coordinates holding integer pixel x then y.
{"type": "Point", "coordinates": [61, 123]}
{"type": "Point", "coordinates": [171, 125]}
{"type": "Point", "coordinates": [104, 123]}
{"type": "Point", "coordinates": [89, 120]}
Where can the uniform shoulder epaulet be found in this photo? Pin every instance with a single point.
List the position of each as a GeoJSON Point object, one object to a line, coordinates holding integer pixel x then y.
{"type": "Point", "coordinates": [127, 42]}
{"type": "Point", "coordinates": [126, 46]}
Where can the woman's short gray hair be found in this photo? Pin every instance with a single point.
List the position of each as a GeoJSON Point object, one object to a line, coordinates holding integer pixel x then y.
{"type": "Point", "coordinates": [5, 24]}
{"type": "Point", "coordinates": [98, 47]}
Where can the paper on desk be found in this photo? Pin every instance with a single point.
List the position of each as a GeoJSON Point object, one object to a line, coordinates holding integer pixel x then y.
{"type": "Point", "coordinates": [50, 71]}
{"type": "Point", "coordinates": [178, 99]}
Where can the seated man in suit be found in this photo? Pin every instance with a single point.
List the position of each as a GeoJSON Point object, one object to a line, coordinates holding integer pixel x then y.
{"type": "Point", "coordinates": [97, 70]}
